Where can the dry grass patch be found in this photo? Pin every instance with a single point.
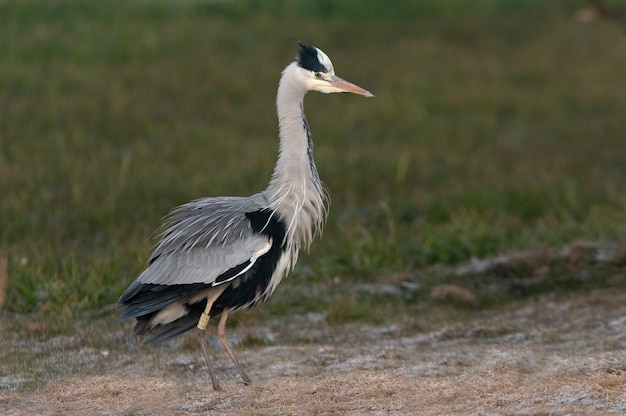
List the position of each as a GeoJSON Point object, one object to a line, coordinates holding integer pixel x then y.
{"type": "Point", "coordinates": [543, 357]}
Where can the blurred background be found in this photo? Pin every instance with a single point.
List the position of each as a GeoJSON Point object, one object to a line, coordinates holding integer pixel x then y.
{"type": "Point", "coordinates": [498, 127]}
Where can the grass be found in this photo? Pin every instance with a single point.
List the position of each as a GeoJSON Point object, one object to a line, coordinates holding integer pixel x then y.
{"type": "Point", "coordinates": [490, 363]}
{"type": "Point", "coordinates": [496, 127]}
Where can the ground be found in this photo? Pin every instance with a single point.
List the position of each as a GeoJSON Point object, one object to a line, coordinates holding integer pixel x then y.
{"type": "Point", "coordinates": [552, 356]}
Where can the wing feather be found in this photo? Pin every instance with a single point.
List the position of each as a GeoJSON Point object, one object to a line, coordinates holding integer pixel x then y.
{"type": "Point", "coordinates": [206, 265]}
{"type": "Point", "coordinates": [209, 241]}
{"type": "Point", "coordinates": [207, 223]}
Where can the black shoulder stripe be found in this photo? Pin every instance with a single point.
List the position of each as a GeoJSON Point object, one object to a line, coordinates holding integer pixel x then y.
{"type": "Point", "coordinates": [267, 222]}
{"type": "Point", "coordinates": [230, 273]}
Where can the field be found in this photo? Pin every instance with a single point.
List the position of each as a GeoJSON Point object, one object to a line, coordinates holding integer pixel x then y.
{"type": "Point", "coordinates": [474, 258]}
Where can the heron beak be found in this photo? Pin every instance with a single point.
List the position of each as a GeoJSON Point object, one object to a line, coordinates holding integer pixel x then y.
{"type": "Point", "coordinates": [346, 86]}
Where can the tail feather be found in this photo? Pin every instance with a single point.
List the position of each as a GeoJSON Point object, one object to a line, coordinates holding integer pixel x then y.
{"type": "Point", "coordinates": [161, 333]}
{"type": "Point", "coordinates": [144, 299]}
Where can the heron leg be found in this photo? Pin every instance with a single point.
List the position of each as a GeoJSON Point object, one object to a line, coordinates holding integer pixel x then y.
{"type": "Point", "coordinates": [202, 340]}
{"type": "Point", "coordinates": [202, 324]}
{"type": "Point", "coordinates": [221, 335]}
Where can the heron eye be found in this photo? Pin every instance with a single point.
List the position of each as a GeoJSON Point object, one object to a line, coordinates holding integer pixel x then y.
{"type": "Point", "coordinates": [318, 75]}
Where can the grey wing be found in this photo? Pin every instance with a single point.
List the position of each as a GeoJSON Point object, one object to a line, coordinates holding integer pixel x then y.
{"type": "Point", "coordinates": [207, 265]}
{"type": "Point", "coordinates": [205, 239]}
{"type": "Point", "coordinates": [204, 243]}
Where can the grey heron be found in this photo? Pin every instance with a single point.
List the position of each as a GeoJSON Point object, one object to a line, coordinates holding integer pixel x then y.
{"type": "Point", "coordinates": [218, 255]}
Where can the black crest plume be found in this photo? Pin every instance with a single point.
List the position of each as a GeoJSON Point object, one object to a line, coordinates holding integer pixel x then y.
{"type": "Point", "coordinates": [307, 59]}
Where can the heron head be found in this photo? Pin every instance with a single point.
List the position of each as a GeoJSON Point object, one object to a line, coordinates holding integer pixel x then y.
{"type": "Point", "coordinates": [320, 74]}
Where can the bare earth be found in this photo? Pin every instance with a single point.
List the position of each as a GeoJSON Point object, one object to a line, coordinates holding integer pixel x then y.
{"type": "Point", "coordinates": [543, 357]}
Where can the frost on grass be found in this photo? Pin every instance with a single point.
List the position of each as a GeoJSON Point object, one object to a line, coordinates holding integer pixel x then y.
{"type": "Point", "coordinates": [544, 357]}
{"type": "Point", "coordinates": [574, 253]}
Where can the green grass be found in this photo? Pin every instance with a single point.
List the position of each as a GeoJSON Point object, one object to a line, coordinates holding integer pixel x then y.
{"type": "Point", "coordinates": [497, 126]}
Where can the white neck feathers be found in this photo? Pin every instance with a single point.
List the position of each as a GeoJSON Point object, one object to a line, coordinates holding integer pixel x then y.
{"type": "Point", "coordinates": [295, 190]}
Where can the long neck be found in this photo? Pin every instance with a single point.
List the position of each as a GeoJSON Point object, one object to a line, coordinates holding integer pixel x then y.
{"type": "Point", "coordinates": [295, 190]}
